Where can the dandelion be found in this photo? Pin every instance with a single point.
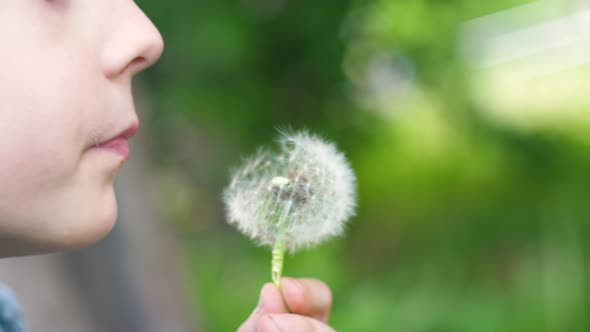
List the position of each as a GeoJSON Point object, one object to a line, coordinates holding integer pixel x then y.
{"type": "Point", "coordinates": [292, 198]}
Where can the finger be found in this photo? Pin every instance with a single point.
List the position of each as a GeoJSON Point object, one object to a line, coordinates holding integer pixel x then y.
{"type": "Point", "coordinates": [308, 297]}
{"type": "Point", "coordinates": [270, 302]}
{"type": "Point", "coordinates": [291, 323]}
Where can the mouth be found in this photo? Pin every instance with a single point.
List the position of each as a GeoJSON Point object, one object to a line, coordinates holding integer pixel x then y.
{"type": "Point", "coordinates": [119, 144]}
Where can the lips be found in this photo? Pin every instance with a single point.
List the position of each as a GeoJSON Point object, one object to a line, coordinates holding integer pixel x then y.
{"type": "Point", "coordinates": [120, 144]}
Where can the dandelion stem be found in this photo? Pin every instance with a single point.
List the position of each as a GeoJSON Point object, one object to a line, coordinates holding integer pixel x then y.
{"type": "Point", "coordinates": [278, 249]}
{"type": "Point", "coordinates": [278, 254]}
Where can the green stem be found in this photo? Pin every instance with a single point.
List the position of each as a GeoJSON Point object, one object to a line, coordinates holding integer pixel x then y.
{"type": "Point", "coordinates": [278, 249]}
{"type": "Point", "coordinates": [278, 254]}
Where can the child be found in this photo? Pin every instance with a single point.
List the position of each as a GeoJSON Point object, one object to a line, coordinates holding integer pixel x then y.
{"type": "Point", "coordinates": [66, 113]}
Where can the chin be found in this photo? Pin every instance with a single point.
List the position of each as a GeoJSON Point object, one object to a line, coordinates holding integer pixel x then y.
{"type": "Point", "coordinates": [64, 231]}
{"type": "Point", "coordinates": [92, 226]}
{"type": "Point", "coordinates": [88, 233]}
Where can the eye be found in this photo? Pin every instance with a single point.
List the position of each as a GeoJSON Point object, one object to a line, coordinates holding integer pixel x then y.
{"type": "Point", "coordinates": [58, 3]}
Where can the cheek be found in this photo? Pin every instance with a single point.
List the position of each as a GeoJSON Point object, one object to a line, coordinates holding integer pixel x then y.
{"type": "Point", "coordinates": [51, 195]}
{"type": "Point", "coordinates": [51, 190]}
{"type": "Point", "coordinates": [44, 107]}
{"type": "Point", "coordinates": [42, 128]}
{"type": "Point", "coordinates": [37, 156]}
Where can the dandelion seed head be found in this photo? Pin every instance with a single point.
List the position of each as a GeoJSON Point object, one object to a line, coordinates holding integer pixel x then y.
{"type": "Point", "coordinates": [305, 192]}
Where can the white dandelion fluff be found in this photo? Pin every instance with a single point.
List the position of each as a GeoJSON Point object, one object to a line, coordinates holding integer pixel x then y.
{"type": "Point", "coordinates": [295, 197]}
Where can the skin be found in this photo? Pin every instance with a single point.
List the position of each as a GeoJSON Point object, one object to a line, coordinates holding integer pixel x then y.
{"type": "Point", "coordinates": [301, 305]}
{"type": "Point", "coordinates": [66, 68]}
{"type": "Point", "coordinates": [65, 85]}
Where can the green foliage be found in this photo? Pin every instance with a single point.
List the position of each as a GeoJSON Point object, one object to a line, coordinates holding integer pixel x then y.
{"type": "Point", "coordinates": [465, 224]}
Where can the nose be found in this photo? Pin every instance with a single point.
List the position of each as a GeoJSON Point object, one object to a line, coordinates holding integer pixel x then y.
{"type": "Point", "coordinates": [133, 44]}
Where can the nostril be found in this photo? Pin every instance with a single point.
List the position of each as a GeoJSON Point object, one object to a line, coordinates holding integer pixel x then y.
{"type": "Point", "coordinates": [136, 65]}
{"type": "Point", "coordinates": [138, 62]}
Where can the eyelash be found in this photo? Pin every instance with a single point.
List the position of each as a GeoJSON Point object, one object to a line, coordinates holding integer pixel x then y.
{"type": "Point", "coordinates": [58, 4]}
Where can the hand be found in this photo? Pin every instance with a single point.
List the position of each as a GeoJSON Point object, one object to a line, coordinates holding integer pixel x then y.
{"type": "Point", "coordinates": [301, 305]}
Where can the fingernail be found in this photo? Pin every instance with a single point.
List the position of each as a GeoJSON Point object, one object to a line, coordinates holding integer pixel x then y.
{"type": "Point", "coordinates": [261, 296]}
{"type": "Point", "coordinates": [291, 286]}
{"type": "Point", "coordinates": [271, 300]}
{"type": "Point", "coordinates": [292, 294]}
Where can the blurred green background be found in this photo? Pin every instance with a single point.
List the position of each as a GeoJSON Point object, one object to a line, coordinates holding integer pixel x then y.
{"type": "Point", "coordinates": [465, 121]}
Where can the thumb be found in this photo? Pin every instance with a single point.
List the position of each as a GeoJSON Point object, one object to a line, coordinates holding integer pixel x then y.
{"type": "Point", "coordinates": [270, 302]}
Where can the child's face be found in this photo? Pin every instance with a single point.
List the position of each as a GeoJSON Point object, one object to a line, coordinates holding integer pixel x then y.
{"type": "Point", "coordinates": [65, 86]}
